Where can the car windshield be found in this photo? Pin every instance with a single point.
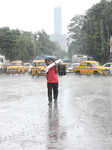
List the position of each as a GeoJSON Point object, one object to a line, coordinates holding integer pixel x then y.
{"type": "Point", "coordinates": [26, 64]}
{"type": "Point", "coordinates": [76, 64]}
{"type": "Point", "coordinates": [96, 64]}
{"type": "Point", "coordinates": [15, 64]}
{"type": "Point", "coordinates": [41, 64]}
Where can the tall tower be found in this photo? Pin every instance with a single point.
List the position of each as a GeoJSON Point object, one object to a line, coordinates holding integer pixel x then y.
{"type": "Point", "coordinates": [58, 36]}
{"type": "Point", "coordinates": [57, 21]}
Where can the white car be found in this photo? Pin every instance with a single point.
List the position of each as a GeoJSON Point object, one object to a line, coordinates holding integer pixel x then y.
{"type": "Point", "coordinates": [109, 65]}
{"type": "Point", "coordinates": [70, 68]}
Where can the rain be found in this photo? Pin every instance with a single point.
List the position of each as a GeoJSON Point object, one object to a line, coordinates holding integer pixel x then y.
{"type": "Point", "coordinates": [81, 119]}
{"type": "Point", "coordinates": [56, 86]}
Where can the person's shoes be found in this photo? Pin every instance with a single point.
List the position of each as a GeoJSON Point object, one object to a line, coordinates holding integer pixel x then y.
{"type": "Point", "coordinates": [55, 101]}
{"type": "Point", "coordinates": [50, 103]}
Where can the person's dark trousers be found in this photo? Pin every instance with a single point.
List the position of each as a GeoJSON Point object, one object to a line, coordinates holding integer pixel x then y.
{"type": "Point", "coordinates": [53, 86]}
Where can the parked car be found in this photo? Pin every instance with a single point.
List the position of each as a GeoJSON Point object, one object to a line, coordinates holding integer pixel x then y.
{"type": "Point", "coordinates": [91, 68]}
{"type": "Point", "coordinates": [70, 68]}
{"type": "Point", "coordinates": [109, 65]}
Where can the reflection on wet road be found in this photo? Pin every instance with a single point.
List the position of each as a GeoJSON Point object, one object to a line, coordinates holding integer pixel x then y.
{"type": "Point", "coordinates": [53, 127]}
{"type": "Point", "coordinates": [81, 120]}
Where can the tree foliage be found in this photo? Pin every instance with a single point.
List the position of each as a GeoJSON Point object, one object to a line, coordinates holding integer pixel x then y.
{"type": "Point", "coordinates": [90, 33]}
{"type": "Point", "coordinates": [25, 46]}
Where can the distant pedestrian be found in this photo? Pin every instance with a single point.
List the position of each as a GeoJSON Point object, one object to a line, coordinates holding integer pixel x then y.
{"type": "Point", "coordinates": [52, 82]}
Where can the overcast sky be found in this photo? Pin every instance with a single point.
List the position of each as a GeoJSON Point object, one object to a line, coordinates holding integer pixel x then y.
{"type": "Point", "coordinates": [35, 15]}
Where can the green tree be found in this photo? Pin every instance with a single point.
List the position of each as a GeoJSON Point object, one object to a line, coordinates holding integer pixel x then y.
{"type": "Point", "coordinates": [25, 46]}
{"type": "Point", "coordinates": [8, 41]}
{"type": "Point", "coordinates": [46, 47]}
{"type": "Point", "coordinates": [93, 36]}
{"type": "Point", "coordinates": [74, 38]}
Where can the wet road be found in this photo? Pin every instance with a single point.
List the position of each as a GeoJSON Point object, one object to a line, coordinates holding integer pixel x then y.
{"type": "Point", "coordinates": [81, 120]}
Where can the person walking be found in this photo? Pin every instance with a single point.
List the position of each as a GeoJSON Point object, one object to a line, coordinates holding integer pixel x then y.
{"type": "Point", "coordinates": [52, 82]}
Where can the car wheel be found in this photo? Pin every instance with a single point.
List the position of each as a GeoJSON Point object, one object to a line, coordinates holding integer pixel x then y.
{"type": "Point", "coordinates": [37, 74]}
{"type": "Point", "coordinates": [29, 73]}
{"type": "Point", "coordinates": [78, 73]}
{"type": "Point", "coordinates": [20, 72]}
{"type": "Point", "coordinates": [24, 72]}
{"type": "Point", "coordinates": [32, 75]}
{"type": "Point", "coordinates": [96, 74]}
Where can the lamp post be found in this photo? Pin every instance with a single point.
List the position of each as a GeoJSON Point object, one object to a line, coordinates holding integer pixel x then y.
{"type": "Point", "coordinates": [110, 57]}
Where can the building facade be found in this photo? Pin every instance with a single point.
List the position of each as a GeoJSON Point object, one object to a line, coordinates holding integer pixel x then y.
{"type": "Point", "coordinates": [61, 39]}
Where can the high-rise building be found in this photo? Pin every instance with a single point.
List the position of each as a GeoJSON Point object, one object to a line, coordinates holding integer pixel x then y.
{"type": "Point", "coordinates": [57, 21]}
{"type": "Point", "coordinates": [58, 36]}
{"type": "Point", "coordinates": [61, 39]}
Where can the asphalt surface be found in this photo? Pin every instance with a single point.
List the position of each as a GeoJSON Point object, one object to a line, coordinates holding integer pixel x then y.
{"type": "Point", "coordinates": [81, 120]}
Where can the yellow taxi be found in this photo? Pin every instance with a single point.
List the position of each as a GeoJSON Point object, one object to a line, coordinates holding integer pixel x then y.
{"type": "Point", "coordinates": [38, 68]}
{"type": "Point", "coordinates": [27, 65]}
{"type": "Point", "coordinates": [16, 67]}
{"type": "Point", "coordinates": [91, 68]}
